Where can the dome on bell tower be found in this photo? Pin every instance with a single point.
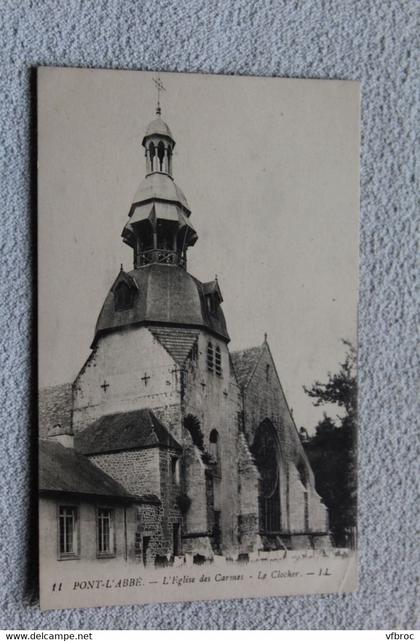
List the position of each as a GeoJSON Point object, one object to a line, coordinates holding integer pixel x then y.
{"type": "Point", "coordinates": [158, 127]}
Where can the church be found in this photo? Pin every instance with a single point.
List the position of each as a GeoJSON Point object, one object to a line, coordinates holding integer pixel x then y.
{"type": "Point", "coordinates": [167, 445]}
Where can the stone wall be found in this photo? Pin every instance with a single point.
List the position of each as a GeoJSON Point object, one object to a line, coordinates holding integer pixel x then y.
{"type": "Point", "coordinates": [148, 471]}
{"type": "Point", "coordinates": [148, 526]}
{"type": "Point", "coordinates": [169, 491]}
{"type": "Point", "coordinates": [127, 370]}
{"type": "Point", "coordinates": [248, 521]}
{"type": "Point", "coordinates": [196, 489]}
{"type": "Point", "coordinates": [137, 470]}
{"type": "Point", "coordinates": [297, 494]}
{"type": "Point", "coordinates": [216, 402]}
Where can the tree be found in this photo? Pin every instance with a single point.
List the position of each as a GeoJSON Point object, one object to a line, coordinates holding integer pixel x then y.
{"type": "Point", "coordinates": [332, 450]}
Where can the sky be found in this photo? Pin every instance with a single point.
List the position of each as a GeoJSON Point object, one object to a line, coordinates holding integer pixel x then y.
{"type": "Point", "coordinates": [270, 168]}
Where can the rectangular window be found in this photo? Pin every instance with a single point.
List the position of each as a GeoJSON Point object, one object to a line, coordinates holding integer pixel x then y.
{"type": "Point", "coordinates": [67, 531]}
{"type": "Point", "coordinates": [105, 532]}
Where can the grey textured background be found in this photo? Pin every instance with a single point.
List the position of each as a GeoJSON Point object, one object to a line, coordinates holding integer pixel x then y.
{"type": "Point", "coordinates": [373, 41]}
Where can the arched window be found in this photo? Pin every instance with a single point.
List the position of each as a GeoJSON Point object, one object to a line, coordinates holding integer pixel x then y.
{"type": "Point", "coordinates": [267, 372]}
{"type": "Point", "coordinates": [218, 361]}
{"type": "Point", "coordinates": [214, 445]}
{"type": "Point", "coordinates": [122, 296]}
{"type": "Point", "coordinates": [169, 153]}
{"type": "Point", "coordinates": [210, 357]}
{"type": "Point", "coordinates": [161, 156]}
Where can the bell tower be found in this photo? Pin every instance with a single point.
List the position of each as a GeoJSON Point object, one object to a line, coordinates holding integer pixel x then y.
{"type": "Point", "coordinates": [158, 145]}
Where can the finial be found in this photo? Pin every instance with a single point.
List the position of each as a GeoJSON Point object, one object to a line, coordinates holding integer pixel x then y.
{"type": "Point", "coordinates": [121, 268]}
{"type": "Point", "coordinates": [215, 278]}
{"type": "Point", "coordinates": [265, 337]}
{"type": "Point", "coordinates": [159, 87]}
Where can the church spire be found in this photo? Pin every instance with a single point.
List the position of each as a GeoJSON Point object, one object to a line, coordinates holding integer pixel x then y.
{"type": "Point", "coordinates": [159, 230]}
{"type": "Point", "coordinates": [158, 141]}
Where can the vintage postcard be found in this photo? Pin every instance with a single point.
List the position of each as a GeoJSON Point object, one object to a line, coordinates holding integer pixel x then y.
{"type": "Point", "coordinates": [198, 268]}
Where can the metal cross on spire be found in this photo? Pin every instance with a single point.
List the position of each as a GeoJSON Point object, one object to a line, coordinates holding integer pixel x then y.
{"type": "Point", "coordinates": [159, 87]}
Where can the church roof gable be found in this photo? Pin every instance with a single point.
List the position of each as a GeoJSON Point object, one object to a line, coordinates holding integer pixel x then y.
{"type": "Point", "coordinates": [124, 431]}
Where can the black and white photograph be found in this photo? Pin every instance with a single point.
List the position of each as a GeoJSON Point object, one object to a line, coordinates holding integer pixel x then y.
{"type": "Point", "coordinates": [197, 321]}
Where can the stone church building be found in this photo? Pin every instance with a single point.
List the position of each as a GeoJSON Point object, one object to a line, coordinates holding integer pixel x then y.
{"type": "Point", "coordinates": [167, 444]}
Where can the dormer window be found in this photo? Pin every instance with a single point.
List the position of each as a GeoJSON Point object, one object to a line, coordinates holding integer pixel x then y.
{"type": "Point", "coordinates": [123, 297]}
{"type": "Point", "coordinates": [211, 303]}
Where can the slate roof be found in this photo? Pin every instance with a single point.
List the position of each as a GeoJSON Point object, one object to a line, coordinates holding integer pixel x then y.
{"type": "Point", "coordinates": [65, 471]}
{"type": "Point", "coordinates": [177, 341]}
{"type": "Point", "coordinates": [244, 363]}
{"type": "Point", "coordinates": [124, 431]}
{"type": "Point", "coordinates": [165, 295]}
